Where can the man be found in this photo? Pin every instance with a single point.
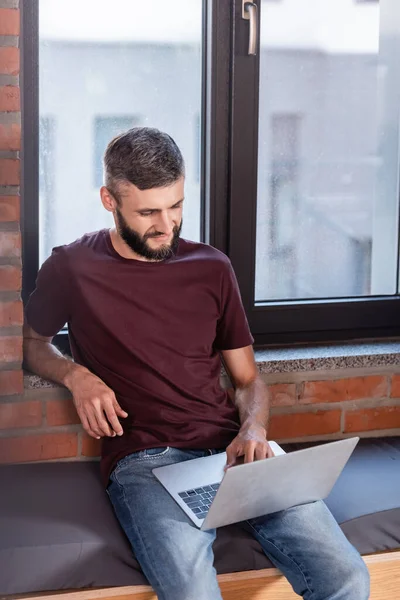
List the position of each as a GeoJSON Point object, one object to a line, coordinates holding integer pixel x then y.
{"type": "Point", "coordinates": [149, 315]}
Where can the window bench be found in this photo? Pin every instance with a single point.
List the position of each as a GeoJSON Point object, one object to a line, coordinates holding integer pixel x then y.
{"type": "Point", "coordinates": [58, 533]}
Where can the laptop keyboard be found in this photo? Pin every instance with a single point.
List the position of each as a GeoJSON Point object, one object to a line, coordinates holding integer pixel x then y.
{"type": "Point", "coordinates": [199, 499]}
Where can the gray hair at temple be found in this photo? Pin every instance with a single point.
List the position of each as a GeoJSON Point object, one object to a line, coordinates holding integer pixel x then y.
{"type": "Point", "coordinates": [144, 156]}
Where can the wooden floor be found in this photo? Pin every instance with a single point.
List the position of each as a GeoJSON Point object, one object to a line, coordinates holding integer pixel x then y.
{"type": "Point", "coordinates": [267, 584]}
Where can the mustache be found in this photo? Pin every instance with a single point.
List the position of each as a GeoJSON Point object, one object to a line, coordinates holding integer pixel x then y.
{"type": "Point", "coordinates": [148, 236]}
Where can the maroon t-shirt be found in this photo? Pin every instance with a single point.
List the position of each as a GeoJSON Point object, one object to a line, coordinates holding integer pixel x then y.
{"type": "Point", "coordinates": [152, 331]}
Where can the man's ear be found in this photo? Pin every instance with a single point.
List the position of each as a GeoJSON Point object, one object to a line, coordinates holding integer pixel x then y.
{"type": "Point", "coordinates": [107, 199]}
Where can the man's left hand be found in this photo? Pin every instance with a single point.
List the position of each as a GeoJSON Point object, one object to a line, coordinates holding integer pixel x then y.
{"type": "Point", "coordinates": [251, 443]}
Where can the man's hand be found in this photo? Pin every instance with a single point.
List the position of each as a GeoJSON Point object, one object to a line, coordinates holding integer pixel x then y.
{"type": "Point", "coordinates": [94, 401]}
{"type": "Point", "coordinates": [251, 442]}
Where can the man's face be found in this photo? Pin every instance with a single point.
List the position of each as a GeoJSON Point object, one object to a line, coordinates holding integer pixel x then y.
{"type": "Point", "coordinates": [150, 221]}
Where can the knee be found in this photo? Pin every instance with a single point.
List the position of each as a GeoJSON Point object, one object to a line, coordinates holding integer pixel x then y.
{"type": "Point", "coordinates": [195, 580]}
{"type": "Point", "coordinates": [194, 587]}
{"type": "Point", "coordinates": [356, 581]}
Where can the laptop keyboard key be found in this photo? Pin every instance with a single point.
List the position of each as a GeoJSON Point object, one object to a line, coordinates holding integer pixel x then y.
{"type": "Point", "coordinates": [195, 503]}
{"type": "Point", "coordinates": [189, 500]}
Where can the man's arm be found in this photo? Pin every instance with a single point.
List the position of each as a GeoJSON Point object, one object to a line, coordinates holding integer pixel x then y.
{"type": "Point", "coordinates": [252, 400]}
{"type": "Point", "coordinates": [93, 399]}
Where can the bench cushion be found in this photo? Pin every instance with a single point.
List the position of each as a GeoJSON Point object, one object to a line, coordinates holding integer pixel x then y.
{"type": "Point", "coordinates": [58, 530]}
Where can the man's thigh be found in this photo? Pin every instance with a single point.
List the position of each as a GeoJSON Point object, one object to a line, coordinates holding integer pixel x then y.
{"type": "Point", "coordinates": [175, 556]}
{"type": "Point", "coordinates": [308, 546]}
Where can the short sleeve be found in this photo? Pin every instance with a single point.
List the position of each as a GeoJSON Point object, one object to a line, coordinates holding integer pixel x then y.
{"type": "Point", "coordinates": [47, 309]}
{"type": "Point", "coordinates": [232, 329]}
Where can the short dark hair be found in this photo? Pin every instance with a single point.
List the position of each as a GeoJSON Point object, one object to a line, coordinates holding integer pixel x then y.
{"type": "Point", "coordinates": [144, 156]}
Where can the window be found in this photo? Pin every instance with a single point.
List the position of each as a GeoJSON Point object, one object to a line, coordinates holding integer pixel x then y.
{"type": "Point", "coordinates": [99, 76]}
{"type": "Point", "coordinates": [197, 148]}
{"type": "Point", "coordinates": [105, 129]}
{"type": "Point", "coordinates": [47, 134]}
{"type": "Point", "coordinates": [292, 155]}
{"type": "Point", "coordinates": [276, 268]}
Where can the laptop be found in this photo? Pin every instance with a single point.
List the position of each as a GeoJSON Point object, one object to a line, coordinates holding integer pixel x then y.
{"type": "Point", "coordinates": [212, 497]}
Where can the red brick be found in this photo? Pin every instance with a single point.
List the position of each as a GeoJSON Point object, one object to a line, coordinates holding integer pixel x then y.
{"type": "Point", "coordinates": [31, 448]}
{"type": "Point", "coordinates": [10, 279]}
{"type": "Point", "coordinates": [9, 208]}
{"type": "Point", "coordinates": [10, 100]}
{"type": "Point", "coordinates": [304, 424]}
{"type": "Point", "coordinates": [20, 414]}
{"type": "Point", "coordinates": [61, 412]}
{"type": "Point", "coordinates": [368, 419]}
{"type": "Point", "coordinates": [11, 313]}
{"type": "Point", "coordinates": [9, 21]}
{"type": "Point", "coordinates": [9, 171]}
{"type": "Point", "coordinates": [9, 60]}
{"type": "Point", "coordinates": [395, 392]}
{"type": "Point", "coordinates": [11, 349]}
{"type": "Point", "coordinates": [10, 244]}
{"type": "Point", "coordinates": [10, 136]}
{"type": "Point", "coordinates": [90, 446]}
{"type": "Point", "coordinates": [339, 390]}
{"type": "Point", "coordinates": [11, 382]}
{"type": "Point", "coordinates": [282, 394]}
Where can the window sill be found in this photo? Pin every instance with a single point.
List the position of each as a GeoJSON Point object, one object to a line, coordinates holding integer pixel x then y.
{"type": "Point", "coordinates": [301, 359]}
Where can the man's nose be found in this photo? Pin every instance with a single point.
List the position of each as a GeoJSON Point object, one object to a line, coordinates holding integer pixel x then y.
{"type": "Point", "coordinates": [165, 224]}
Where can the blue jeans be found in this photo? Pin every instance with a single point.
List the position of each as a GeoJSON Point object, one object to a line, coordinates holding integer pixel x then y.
{"type": "Point", "coordinates": [304, 542]}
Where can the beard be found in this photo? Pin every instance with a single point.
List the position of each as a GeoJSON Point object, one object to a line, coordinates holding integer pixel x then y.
{"type": "Point", "coordinates": [139, 244]}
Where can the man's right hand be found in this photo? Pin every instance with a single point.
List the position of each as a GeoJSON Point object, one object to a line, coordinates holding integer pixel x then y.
{"type": "Point", "coordinates": [94, 401]}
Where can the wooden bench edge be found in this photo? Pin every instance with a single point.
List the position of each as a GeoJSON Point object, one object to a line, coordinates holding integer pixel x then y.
{"type": "Point", "coordinates": [381, 558]}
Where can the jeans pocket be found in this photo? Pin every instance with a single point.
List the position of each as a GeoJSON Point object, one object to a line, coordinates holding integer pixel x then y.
{"type": "Point", "coordinates": [141, 455]}
{"type": "Point", "coordinates": [154, 452]}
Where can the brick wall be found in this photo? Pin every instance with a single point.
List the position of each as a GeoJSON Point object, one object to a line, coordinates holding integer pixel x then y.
{"type": "Point", "coordinates": [11, 379]}
{"type": "Point", "coordinates": [41, 423]}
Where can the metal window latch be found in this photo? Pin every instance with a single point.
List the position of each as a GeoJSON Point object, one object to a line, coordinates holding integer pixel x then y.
{"type": "Point", "coordinates": [249, 13]}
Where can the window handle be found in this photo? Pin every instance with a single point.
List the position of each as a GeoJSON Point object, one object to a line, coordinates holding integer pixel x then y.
{"type": "Point", "coordinates": [249, 12]}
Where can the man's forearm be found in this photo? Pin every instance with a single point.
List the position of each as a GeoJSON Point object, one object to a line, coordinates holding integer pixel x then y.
{"type": "Point", "coordinates": [252, 401]}
{"type": "Point", "coordinates": [45, 360]}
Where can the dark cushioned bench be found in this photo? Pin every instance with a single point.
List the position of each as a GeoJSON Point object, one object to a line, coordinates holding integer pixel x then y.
{"type": "Point", "coordinates": [58, 531]}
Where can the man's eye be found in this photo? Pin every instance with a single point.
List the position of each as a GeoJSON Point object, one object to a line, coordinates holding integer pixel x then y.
{"type": "Point", "coordinates": [147, 213]}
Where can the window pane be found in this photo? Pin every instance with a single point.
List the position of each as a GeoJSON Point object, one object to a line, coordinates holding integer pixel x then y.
{"type": "Point", "coordinates": [328, 153]}
{"type": "Point", "coordinates": [106, 66]}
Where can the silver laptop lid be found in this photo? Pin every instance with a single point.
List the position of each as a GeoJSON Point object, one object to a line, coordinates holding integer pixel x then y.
{"type": "Point", "coordinates": [263, 487]}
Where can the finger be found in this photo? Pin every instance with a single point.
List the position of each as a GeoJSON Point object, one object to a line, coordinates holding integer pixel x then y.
{"type": "Point", "coordinates": [101, 421]}
{"type": "Point", "coordinates": [113, 419]}
{"type": "Point", "coordinates": [231, 454]}
{"type": "Point", "coordinates": [120, 412]}
{"type": "Point", "coordinates": [261, 451]}
{"type": "Point", "coordinates": [104, 426]}
{"type": "Point", "coordinates": [86, 426]}
{"type": "Point", "coordinates": [249, 452]}
{"type": "Point", "coordinates": [93, 425]}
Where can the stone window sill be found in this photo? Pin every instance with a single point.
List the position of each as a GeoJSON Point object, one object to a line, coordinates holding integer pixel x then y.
{"type": "Point", "coordinates": [304, 358]}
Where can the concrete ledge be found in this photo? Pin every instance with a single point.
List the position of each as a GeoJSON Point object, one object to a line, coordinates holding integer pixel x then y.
{"type": "Point", "coordinates": [303, 359]}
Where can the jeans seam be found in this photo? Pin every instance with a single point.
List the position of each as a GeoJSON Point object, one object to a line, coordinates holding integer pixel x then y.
{"type": "Point", "coordinates": [135, 527]}
{"type": "Point", "coordinates": [139, 459]}
{"type": "Point", "coordinates": [287, 555]}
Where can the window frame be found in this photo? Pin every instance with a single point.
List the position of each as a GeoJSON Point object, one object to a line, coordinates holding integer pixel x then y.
{"type": "Point", "coordinates": [229, 138]}
{"type": "Point", "coordinates": [287, 321]}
